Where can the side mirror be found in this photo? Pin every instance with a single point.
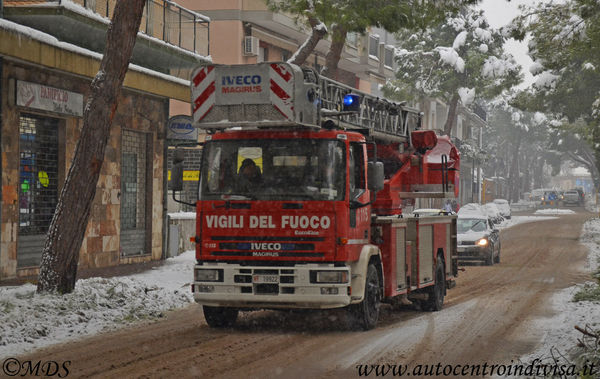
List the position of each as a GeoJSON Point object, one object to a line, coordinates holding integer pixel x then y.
{"type": "Point", "coordinates": [177, 171]}
{"type": "Point", "coordinates": [375, 176]}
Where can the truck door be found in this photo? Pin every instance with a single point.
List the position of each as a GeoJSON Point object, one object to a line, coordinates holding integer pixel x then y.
{"type": "Point", "coordinates": [360, 217]}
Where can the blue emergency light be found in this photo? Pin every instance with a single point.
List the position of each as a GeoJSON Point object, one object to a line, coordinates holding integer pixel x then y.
{"type": "Point", "coordinates": [351, 102]}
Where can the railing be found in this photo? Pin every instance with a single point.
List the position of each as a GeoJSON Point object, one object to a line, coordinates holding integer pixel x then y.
{"type": "Point", "coordinates": [162, 19]}
{"type": "Point", "coordinates": [378, 115]}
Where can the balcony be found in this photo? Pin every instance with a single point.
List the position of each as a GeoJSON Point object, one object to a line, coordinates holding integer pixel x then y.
{"type": "Point", "coordinates": [172, 39]}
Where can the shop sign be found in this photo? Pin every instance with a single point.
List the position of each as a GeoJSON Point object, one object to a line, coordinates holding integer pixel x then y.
{"type": "Point", "coordinates": [38, 96]}
{"type": "Point", "coordinates": [181, 128]}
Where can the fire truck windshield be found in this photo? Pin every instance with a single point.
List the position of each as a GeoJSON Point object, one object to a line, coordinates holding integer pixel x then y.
{"type": "Point", "coordinates": [273, 169]}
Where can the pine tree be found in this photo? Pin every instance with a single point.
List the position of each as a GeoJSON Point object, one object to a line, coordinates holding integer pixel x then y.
{"type": "Point", "coordinates": [58, 270]}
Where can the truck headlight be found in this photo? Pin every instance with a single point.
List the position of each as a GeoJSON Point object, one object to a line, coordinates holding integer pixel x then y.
{"type": "Point", "coordinates": [208, 275]}
{"type": "Point", "coordinates": [331, 277]}
{"type": "Point", "coordinates": [482, 242]}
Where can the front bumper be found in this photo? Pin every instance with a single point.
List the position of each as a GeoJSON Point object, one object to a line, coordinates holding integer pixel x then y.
{"type": "Point", "coordinates": [287, 287]}
{"type": "Point", "coordinates": [472, 252]}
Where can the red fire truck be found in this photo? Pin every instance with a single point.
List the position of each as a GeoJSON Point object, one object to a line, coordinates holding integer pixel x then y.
{"type": "Point", "coordinates": [301, 191]}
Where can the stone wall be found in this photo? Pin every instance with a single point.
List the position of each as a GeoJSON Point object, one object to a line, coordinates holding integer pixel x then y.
{"type": "Point", "coordinates": [136, 111]}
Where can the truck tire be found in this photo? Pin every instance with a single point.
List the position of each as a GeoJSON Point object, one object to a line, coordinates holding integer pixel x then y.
{"type": "Point", "coordinates": [497, 258]}
{"type": "Point", "coordinates": [435, 302]}
{"type": "Point", "coordinates": [366, 313]}
{"type": "Point", "coordinates": [219, 317]}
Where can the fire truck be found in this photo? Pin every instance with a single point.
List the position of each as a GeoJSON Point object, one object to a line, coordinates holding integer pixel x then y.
{"type": "Point", "coordinates": [301, 190]}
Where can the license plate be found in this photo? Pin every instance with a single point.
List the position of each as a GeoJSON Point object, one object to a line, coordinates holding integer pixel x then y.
{"type": "Point", "coordinates": [265, 279]}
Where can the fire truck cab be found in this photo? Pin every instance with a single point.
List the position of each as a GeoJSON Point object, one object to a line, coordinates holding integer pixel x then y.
{"type": "Point", "coordinates": [300, 197]}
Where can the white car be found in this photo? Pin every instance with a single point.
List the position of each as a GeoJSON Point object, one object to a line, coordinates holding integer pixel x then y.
{"type": "Point", "coordinates": [493, 212]}
{"type": "Point", "coordinates": [504, 207]}
{"type": "Point", "coordinates": [471, 207]}
{"type": "Point", "coordinates": [425, 212]}
{"type": "Point", "coordinates": [477, 238]}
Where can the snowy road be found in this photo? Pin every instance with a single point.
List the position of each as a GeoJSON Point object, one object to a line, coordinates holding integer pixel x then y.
{"type": "Point", "coordinates": [487, 319]}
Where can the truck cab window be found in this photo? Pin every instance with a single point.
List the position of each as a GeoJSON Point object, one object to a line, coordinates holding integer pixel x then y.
{"type": "Point", "coordinates": [357, 170]}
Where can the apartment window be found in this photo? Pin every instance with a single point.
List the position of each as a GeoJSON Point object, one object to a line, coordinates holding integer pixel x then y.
{"type": "Point", "coordinates": [263, 54]}
{"type": "Point", "coordinates": [389, 57]}
{"type": "Point", "coordinates": [374, 45]}
{"type": "Point", "coordinates": [90, 4]}
{"type": "Point", "coordinates": [285, 55]}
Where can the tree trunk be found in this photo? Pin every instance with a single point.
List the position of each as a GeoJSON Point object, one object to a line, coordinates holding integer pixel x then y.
{"type": "Point", "coordinates": [452, 112]}
{"type": "Point", "coordinates": [515, 179]}
{"type": "Point", "coordinates": [338, 40]}
{"type": "Point", "coordinates": [538, 174]}
{"type": "Point", "coordinates": [318, 32]}
{"type": "Point", "coordinates": [58, 270]}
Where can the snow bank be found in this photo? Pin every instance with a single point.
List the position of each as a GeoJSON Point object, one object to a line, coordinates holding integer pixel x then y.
{"type": "Point", "coordinates": [516, 220]}
{"type": "Point", "coordinates": [29, 320]}
{"type": "Point", "coordinates": [560, 336]}
{"type": "Point", "coordinates": [553, 211]}
{"type": "Point", "coordinates": [183, 215]}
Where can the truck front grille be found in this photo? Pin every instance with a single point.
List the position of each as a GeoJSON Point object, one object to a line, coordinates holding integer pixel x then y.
{"type": "Point", "coordinates": [283, 276]}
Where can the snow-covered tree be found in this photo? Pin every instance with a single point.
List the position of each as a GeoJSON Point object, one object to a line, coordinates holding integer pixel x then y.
{"type": "Point", "coordinates": [461, 60]}
{"type": "Point", "coordinates": [563, 45]}
{"type": "Point", "coordinates": [344, 16]}
{"type": "Point", "coordinates": [516, 143]}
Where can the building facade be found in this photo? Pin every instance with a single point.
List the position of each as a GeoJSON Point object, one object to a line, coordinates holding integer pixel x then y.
{"type": "Point", "coordinates": [246, 31]}
{"type": "Point", "coordinates": [44, 86]}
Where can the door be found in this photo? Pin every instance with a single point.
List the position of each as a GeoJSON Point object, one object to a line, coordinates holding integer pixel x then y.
{"type": "Point", "coordinates": [360, 216]}
{"type": "Point", "coordinates": [134, 192]}
{"type": "Point", "coordinates": [38, 185]}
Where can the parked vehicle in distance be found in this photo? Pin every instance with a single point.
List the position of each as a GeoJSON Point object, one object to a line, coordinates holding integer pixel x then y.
{"type": "Point", "coordinates": [550, 198]}
{"type": "Point", "coordinates": [581, 195]}
{"type": "Point", "coordinates": [493, 212]}
{"type": "Point", "coordinates": [471, 207]}
{"type": "Point", "coordinates": [504, 207]}
{"type": "Point", "coordinates": [537, 194]}
{"type": "Point", "coordinates": [425, 212]}
{"type": "Point", "coordinates": [478, 239]}
{"type": "Point", "coordinates": [572, 197]}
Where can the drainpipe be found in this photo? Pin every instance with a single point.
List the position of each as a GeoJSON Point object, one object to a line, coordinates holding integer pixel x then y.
{"type": "Point", "coordinates": [1, 9]}
{"type": "Point", "coordinates": [1, 110]}
{"type": "Point", "coordinates": [165, 230]}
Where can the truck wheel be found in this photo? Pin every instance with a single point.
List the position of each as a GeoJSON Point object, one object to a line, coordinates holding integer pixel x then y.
{"type": "Point", "coordinates": [438, 290]}
{"type": "Point", "coordinates": [366, 313]}
{"type": "Point", "coordinates": [219, 317]}
{"type": "Point", "coordinates": [497, 258]}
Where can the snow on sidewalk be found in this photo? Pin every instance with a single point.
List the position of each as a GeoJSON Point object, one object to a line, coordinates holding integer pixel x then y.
{"type": "Point", "coordinates": [516, 220]}
{"type": "Point", "coordinates": [29, 321]}
{"type": "Point", "coordinates": [560, 337]}
{"type": "Point", "coordinates": [554, 211]}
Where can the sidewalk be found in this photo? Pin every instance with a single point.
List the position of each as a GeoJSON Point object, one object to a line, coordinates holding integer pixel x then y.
{"type": "Point", "coordinates": [85, 273]}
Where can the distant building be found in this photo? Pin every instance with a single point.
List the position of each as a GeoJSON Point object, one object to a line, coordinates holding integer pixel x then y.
{"type": "Point", "coordinates": [578, 177]}
{"type": "Point", "coordinates": [247, 31]}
